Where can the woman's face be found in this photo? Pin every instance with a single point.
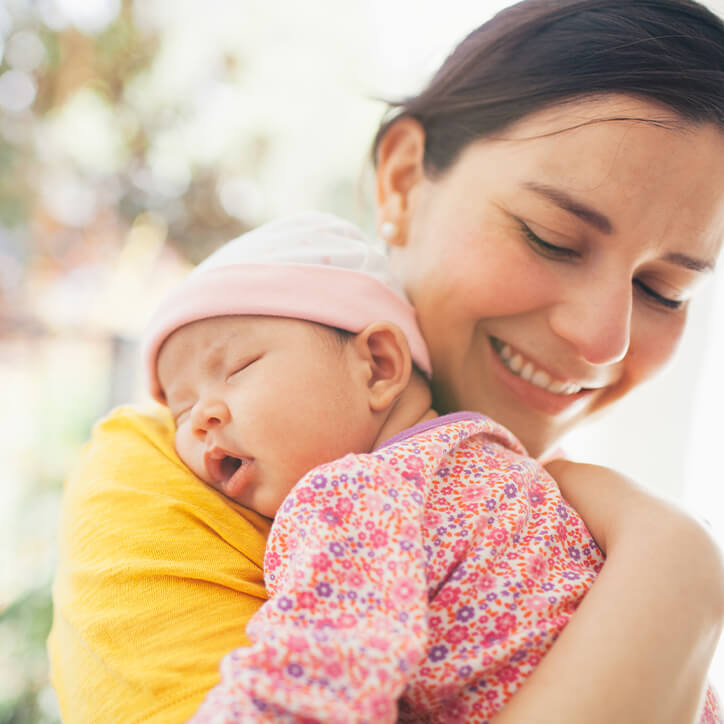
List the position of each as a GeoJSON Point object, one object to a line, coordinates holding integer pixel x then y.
{"type": "Point", "coordinates": [552, 268]}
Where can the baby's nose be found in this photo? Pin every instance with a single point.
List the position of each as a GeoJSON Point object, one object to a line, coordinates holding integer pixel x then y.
{"type": "Point", "coordinates": [207, 415]}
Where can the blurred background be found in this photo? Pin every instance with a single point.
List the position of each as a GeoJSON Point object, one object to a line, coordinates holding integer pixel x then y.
{"type": "Point", "coordinates": [137, 136]}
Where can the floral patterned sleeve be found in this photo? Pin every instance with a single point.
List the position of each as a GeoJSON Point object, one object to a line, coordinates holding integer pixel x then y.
{"type": "Point", "coordinates": [347, 620]}
{"type": "Point", "coordinates": [422, 582]}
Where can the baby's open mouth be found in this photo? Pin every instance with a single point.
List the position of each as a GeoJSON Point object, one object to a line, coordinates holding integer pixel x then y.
{"type": "Point", "coordinates": [220, 465]}
{"type": "Point", "coordinates": [229, 465]}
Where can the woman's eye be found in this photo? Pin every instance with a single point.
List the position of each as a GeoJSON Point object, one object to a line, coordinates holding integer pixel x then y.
{"type": "Point", "coordinates": [657, 298]}
{"type": "Point", "coordinates": [545, 248]}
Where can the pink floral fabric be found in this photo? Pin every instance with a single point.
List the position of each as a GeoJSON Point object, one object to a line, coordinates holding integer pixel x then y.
{"type": "Point", "coordinates": [422, 582]}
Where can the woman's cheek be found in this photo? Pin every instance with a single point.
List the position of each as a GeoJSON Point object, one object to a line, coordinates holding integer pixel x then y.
{"type": "Point", "coordinates": [654, 339]}
{"type": "Point", "coordinates": [520, 286]}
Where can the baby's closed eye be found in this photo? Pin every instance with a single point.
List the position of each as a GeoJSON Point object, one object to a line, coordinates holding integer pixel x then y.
{"type": "Point", "coordinates": [239, 367]}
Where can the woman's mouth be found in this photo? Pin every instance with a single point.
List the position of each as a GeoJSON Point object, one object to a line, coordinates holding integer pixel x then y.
{"type": "Point", "coordinates": [516, 363]}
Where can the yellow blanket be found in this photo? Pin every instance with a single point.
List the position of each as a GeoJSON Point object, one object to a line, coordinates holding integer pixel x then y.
{"type": "Point", "coordinates": [158, 577]}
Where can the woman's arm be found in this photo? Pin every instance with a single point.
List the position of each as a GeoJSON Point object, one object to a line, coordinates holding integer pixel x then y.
{"type": "Point", "coordinates": [640, 644]}
{"type": "Point", "coordinates": [158, 576]}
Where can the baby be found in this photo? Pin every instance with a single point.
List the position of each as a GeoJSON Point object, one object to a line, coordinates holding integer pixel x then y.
{"type": "Point", "coordinates": [419, 566]}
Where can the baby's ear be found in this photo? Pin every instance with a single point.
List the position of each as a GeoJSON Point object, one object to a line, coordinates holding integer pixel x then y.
{"type": "Point", "coordinates": [384, 348]}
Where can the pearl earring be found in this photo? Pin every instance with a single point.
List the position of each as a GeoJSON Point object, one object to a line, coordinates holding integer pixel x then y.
{"type": "Point", "coordinates": [388, 230]}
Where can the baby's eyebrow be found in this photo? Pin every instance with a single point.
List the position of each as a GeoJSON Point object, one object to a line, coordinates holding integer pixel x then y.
{"type": "Point", "coordinates": [214, 357]}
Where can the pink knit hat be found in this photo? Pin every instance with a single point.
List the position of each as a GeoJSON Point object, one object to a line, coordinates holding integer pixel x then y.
{"type": "Point", "coordinates": [311, 266]}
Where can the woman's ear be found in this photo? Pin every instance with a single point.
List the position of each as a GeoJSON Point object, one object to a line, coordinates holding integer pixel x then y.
{"type": "Point", "coordinates": [400, 156]}
{"type": "Point", "coordinates": [385, 350]}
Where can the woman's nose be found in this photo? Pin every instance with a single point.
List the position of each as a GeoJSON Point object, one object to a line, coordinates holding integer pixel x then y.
{"type": "Point", "coordinates": [208, 414]}
{"type": "Point", "coordinates": [596, 320]}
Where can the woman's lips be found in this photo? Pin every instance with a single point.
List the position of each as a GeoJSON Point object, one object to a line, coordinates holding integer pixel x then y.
{"type": "Point", "coordinates": [537, 388]}
{"type": "Point", "coordinates": [520, 365]}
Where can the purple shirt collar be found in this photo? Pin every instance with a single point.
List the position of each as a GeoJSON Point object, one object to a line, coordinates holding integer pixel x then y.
{"type": "Point", "coordinates": [429, 425]}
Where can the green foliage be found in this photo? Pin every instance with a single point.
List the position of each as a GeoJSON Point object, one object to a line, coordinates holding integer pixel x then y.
{"type": "Point", "coordinates": [13, 206]}
{"type": "Point", "coordinates": [25, 698]}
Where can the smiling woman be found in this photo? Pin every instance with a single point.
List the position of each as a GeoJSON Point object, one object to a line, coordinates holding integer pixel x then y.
{"type": "Point", "coordinates": [575, 278]}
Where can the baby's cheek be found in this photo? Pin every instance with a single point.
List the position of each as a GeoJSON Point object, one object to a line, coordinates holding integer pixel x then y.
{"type": "Point", "coordinates": [189, 450]}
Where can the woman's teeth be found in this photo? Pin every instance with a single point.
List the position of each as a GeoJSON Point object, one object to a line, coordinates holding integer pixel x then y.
{"type": "Point", "coordinates": [524, 368]}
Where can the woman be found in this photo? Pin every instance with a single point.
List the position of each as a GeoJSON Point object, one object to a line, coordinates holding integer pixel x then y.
{"type": "Point", "coordinates": [551, 199]}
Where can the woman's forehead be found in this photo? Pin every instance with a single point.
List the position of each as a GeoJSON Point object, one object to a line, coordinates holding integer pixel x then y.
{"type": "Point", "coordinates": [581, 111]}
{"type": "Point", "coordinates": [617, 163]}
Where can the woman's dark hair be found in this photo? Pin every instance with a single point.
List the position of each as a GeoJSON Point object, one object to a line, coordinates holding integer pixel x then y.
{"type": "Point", "coordinates": [539, 52]}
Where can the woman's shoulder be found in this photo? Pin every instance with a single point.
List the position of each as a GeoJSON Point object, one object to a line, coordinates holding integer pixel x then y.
{"type": "Point", "coordinates": [141, 539]}
{"type": "Point", "coordinates": [129, 477]}
{"type": "Point", "coordinates": [131, 448]}
{"type": "Point", "coordinates": [135, 425]}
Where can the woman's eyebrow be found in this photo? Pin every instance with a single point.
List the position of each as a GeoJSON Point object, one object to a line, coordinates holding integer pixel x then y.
{"type": "Point", "coordinates": [568, 203]}
{"type": "Point", "coordinates": [690, 262]}
{"type": "Point", "coordinates": [603, 223]}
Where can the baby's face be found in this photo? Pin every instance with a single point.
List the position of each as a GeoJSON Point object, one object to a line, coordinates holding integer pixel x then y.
{"type": "Point", "coordinates": [260, 401]}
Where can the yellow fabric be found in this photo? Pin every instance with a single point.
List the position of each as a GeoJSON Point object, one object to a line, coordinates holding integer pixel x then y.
{"type": "Point", "coordinates": [157, 580]}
